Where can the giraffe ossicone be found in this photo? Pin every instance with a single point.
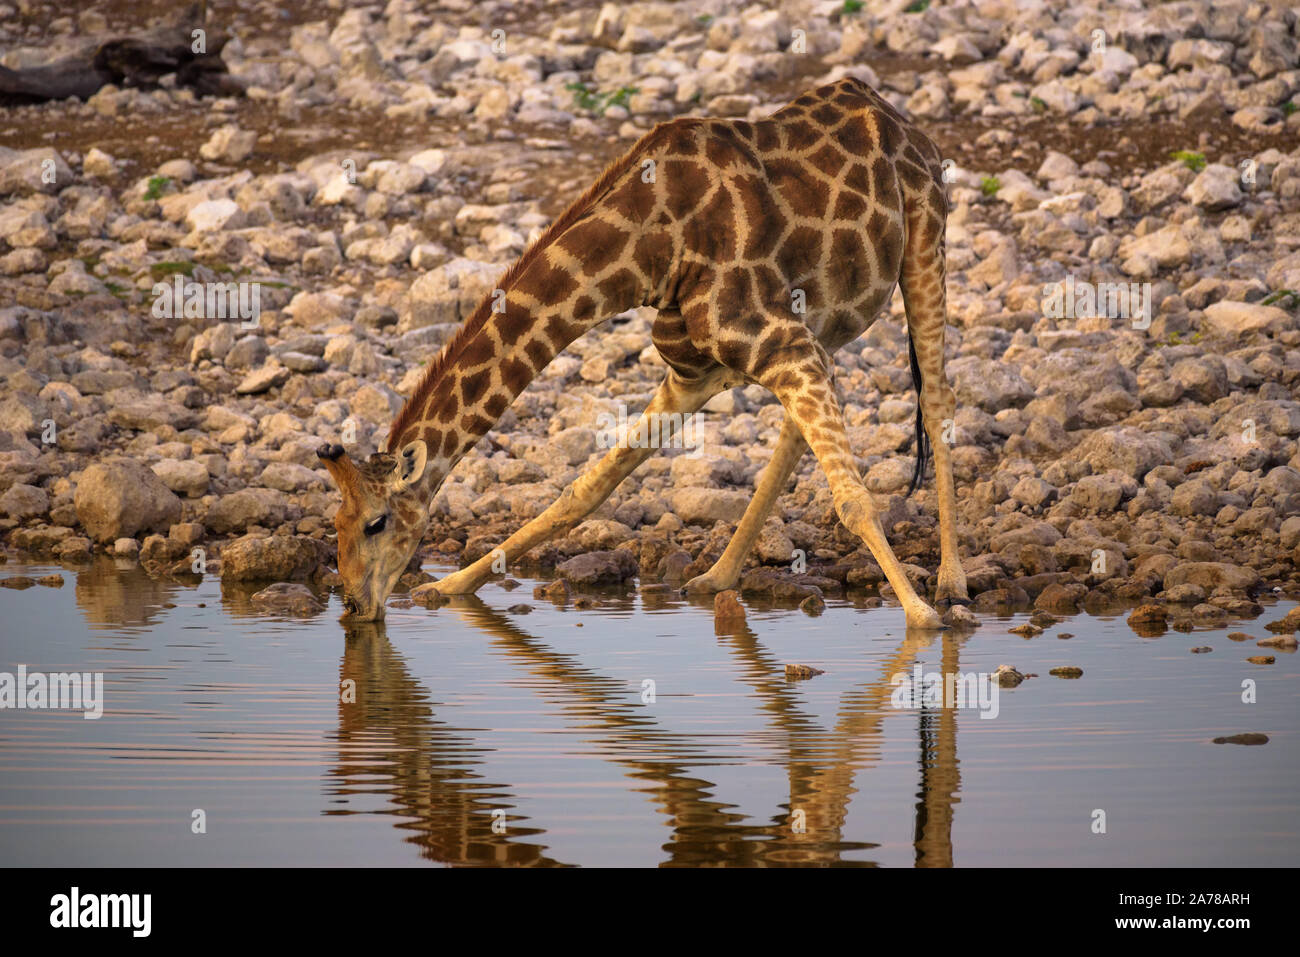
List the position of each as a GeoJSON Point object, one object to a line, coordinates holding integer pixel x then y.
{"type": "Point", "coordinates": [827, 205]}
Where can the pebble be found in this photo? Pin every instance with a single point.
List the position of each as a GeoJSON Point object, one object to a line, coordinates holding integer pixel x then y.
{"type": "Point", "coordinates": [802, 672]}
{"type": "Point", "coordinates": [1067, 671]}
{"type": "Point", "coordinates": [727, 607]}
{"type": "Point", "coordinates": [1250, 737]}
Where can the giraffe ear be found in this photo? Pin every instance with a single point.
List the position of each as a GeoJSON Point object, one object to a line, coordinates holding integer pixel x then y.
{"type": "Point", "coordinates": [411, 462]}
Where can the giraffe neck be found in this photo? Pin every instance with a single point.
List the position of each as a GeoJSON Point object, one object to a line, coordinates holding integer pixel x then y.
{"type": "Point", "coordinates": [595, 261]}
{"type": "Point", "coordinates": [540, 308]}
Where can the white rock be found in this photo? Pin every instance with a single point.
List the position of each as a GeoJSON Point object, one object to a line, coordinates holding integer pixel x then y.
{"type": "Point", "coordinates": [493, 105]}
{"type": "Point", "coordinates": [98, 163]}
{"type": "Point", "coordinates": [1167, 247]}
{"type": "Point", "coordinates": [957, 46]}
{"type": "Point", "coordinates": [1215, 188]}
{"type": "Point", "coordinates": [450, 292]}
{"type": "Point", "coordinates": [1241, 318]}
{"type": "Point", "coordinates": [1056, 166]}
{"type": "Point", "coordinates": [288, 477]}
{"type": "Point", "coordinates": [26, 228]}
{"type": "Point", "coordinates": [215, 214]}
{"type": "Point", "coordinates": [401, 179]}
{"type": "Point", "coordinates": [183, 476]}
{"type": "Point", "coordinates": [181, 170]}
{"type": "Point", "coordinates": [1115, 60]}
{"type": "Point", "coordinates": [338, 190]}
{"type": "Point", "coordinates": [40, 170]}
{"type": "Point", "coordinates": [120, 497]}
{"type": "Point", "coordinates": [431, 161]}
{"type": "Point", "coordinates": [22, 261]}
{"type": "Point", "coordinates": [891, 475]}
{"type": "Point", "coordinates": [704, 506]}
{"type": "Point", "coordinates": [22, 502]}
{"type": "Point", "coordinates": [1058, 97]}
{"type": "Point", "coordinates": [229, 144]}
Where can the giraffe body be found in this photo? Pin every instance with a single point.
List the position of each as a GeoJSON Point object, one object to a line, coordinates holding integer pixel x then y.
{"type": "Point", "coordinates": [764, 247]}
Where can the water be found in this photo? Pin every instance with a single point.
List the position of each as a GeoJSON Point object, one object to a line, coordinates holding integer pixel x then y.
{"type": "Point", "coordinates": [469, 718]}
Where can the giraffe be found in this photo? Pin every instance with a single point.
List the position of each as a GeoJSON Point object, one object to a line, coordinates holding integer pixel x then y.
{"type": "Point", "coordinates": [764, 247]}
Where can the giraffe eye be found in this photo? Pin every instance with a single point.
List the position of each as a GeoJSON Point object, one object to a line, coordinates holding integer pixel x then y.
{"type": "Point", "coordinates": [377, 526]}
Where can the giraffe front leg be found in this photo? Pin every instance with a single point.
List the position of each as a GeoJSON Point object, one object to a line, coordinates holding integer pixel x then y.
{"type": "Point", "coordinates": [857, 511]}
{"type": "Point", "coordinates": [560, 516]}
{"type": "Point", "coordinates": [676, 395]}
{"type": "Point", "coordinates": [726, 570]}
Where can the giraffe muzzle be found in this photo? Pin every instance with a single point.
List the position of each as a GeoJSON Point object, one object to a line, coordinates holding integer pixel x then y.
{"type": "Point", "coordinates": [357, 609]}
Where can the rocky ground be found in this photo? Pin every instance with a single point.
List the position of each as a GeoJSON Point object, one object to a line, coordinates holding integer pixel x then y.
{"type": "Point", "coordinates": [1097, 463]}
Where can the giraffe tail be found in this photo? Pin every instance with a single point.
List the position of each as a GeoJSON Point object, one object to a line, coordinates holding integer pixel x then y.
{"type": "Point", "coordinates": [922, 440]}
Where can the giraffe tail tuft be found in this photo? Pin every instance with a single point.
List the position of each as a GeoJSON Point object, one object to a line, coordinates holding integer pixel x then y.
{"type": "Point", "coordinates": [922, 440]}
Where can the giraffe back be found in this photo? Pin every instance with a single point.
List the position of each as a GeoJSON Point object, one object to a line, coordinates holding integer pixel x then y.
{"type": "Point", "coordinates": [804, 214]}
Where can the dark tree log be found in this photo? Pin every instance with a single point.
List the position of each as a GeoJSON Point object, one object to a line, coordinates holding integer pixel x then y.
{"type": "Point", "coordinates": [139, 61]}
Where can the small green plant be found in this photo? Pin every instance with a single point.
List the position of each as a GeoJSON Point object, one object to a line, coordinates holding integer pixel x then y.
{"type": "Point", "coordinates": [228, 269]}
{"type": "Point", "coordinates": [990, 185]}
{"type": "Point", "coordinates": [852, 6]}
{"type": "Point", "coordinates": [592, 101]}
{"type": "Point", "coordinates": [1192, 160]}
{"type": "Point", "coordinates": [160, 271]}
{"type": "Point", "coordinates": [583, 98]}
{"type": "Point", "coordinates": [917, 6]}
{"type": "Point", "coordinates": [1289, 107]}
{"type": "Point", "coordinates": [1280, 295]}
{"type": "Point", "coordinates": [1175, 339]}
{"type": "Point", "coordinates": [1038, 103]}
{"type": "Point", "coordinates": [704, 19]}
{"type": "Point", "coordinates": [157, 186]}
{"type": "Point", "coordinates": [621, 96]}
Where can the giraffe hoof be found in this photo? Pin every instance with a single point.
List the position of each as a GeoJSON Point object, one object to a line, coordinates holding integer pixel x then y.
{"type": "Point", "coordinates": [428, 594]}
{"type": "Point", "coordinates": [704, 585]}
{"type": "Point", "coordinates": [951, 600]}
{"type": "Point", "coordinates": [925, 617]}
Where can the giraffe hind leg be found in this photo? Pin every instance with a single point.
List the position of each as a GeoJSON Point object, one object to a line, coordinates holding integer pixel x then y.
{"type": "Point", "coordinates": [925, 302]}
{"type": "Point", "coordinates": [801, 378]}
{"type": "Point", "coordinates": [726, 570]}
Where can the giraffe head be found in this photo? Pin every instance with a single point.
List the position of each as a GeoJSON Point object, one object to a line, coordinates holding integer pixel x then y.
{"type": "Point", "coordinates": [380, 523]}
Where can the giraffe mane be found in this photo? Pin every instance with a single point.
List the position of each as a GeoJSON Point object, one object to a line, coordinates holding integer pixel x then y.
{"type": "Point", "coordinates": [411, 411]}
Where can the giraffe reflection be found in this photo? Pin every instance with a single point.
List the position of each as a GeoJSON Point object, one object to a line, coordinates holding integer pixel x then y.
{"type": "Point", "coordinates": [390, 731]}
{"type": "Point", "coordinates": [940, 775]}
{"type": "Point", "coordinates": [391, 742]}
